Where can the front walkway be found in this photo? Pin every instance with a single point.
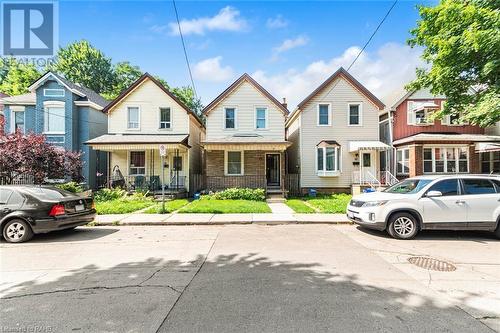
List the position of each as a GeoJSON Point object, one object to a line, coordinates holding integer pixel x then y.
{"type": "Point", "coordinates": [280, 217]}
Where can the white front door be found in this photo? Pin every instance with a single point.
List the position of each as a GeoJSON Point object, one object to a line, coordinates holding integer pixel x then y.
{"type": "Point", "coordinates": [368, 168]}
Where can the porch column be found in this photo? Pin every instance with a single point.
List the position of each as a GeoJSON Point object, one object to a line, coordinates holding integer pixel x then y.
{"type": "Point", "coordinates": [474, 162]}
{"type": "Point", "coordinates": [416, 160]}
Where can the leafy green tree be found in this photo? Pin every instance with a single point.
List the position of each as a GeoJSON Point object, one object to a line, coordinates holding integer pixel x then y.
{"type": "Point", "coordinates": [17, 76]}
{"type": "Point", "coordinates": [461, 40]}
{"type": "Point", "coordinates": [82, 63]}
{"type": "Point", "coordinates": [186, 95]}
{"type": "Point", "coordinates": [124, 74]}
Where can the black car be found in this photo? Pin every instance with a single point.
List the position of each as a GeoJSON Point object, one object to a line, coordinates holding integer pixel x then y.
{"type": "Point", "coordinates": [27, 210]}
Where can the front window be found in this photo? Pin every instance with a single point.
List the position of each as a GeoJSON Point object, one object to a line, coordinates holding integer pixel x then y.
{"type": "Point", "coordinates": [261, 118]}
{"type": "Point", "coordinates": [137, 163]}
{"type": "Point", "coordinates": [165, 121]}
{"type": "Point", "coordinates": [408, 186]}
{"type": "Point", "coordinates": [234, 163]}
{"type": "Point", "coordinates": [230, 118]}
{"type": "Point", "coordinates": [328, 159]}
{"type": "Point", "coordinates": [133, 117]}
{"type": "Point", "coordinates": [55, 119]}
{"type": "Point", "coordinates": [324, 114]}
{"type": "Point", "coordinates": [403, 161]}
{"type": "Point", "coordinates": [490, 162]}
{"type": "Point", "coordinates": [18, 121]}
{"type": "Point", "coordinates": [446, 160]}
{"type": "Point", "coordinates": [354, 114]}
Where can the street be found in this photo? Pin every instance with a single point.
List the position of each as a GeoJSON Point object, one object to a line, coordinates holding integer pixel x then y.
{"type": "Point", "coordinates": [251, 278]}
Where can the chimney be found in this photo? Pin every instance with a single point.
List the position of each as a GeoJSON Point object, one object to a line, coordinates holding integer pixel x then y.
{"type": "Point", "coordinates": [284, 103]}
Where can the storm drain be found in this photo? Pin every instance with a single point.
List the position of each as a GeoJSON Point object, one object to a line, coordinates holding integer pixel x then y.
{"type": "Point", "coordinates": [432, 264]}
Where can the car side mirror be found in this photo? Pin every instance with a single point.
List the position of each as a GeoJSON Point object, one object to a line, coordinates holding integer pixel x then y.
{"type": "Point", "coordinates": [433, 194]}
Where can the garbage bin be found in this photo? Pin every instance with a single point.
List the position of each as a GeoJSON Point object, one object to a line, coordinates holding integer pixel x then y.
{"type": "Point", "coordinates": [312, 192]}
{"type": "Point", "coordinates": [369, 190]}
{"type": "Point", "coordinates": [196, 196]}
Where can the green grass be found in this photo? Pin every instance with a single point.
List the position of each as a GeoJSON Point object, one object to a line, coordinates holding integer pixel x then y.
{"type": "Point", "coordinates": [226, 207]}
{"type": "Point", "coordinates": [299, 206]}
{"type": "Point", "coordinates": [120, 206]}
{"type": "Point", "coordinates": [335, 203]}
{"type": "Point", "coordinates": [170, 206]}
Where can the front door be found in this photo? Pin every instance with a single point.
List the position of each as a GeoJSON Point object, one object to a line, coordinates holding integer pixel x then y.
{"type": "Point", "coordinates": [368, 170]}
{"type": "Point", "coordinates": [273, 169]}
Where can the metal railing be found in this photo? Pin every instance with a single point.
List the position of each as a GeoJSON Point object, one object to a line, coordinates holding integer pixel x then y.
{"type": "Point", "coordinates": [365, 178]}
{"type": "Point", "coordinates": [387, 178]}
{"type": "Point", "coordinates": [147, 183]}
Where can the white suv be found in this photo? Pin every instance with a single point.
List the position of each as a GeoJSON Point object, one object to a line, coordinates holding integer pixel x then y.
{"type": "Point", "coordinates": [458, 202]}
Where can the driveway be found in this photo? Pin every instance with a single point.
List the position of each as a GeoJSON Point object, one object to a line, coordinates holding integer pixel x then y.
{"type": "Point", "coordinates": [222, 279]}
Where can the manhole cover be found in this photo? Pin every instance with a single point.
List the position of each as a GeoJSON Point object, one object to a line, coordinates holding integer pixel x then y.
{"type": "Point", "coordinates": [432, 264]}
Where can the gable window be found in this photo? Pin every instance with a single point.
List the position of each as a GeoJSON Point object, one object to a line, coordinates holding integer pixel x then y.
{"type": "Point", "coordinates": [354, 116]}
{"type": "Point", "coordinates": [137, 165]}
{"type": "Point", "coordinates": [403, 161]}
{"type": "Point", "coordinates": [260, 118]}
{"type": "Point", "coordinates": [446, 160]}
{"type": "Point", "coordinates": [327, 159]}
{"type": "Point", "coordinates": [18, 121]}
{"type": "Point", "coordinates": [234, 163]}
{"type": "Point", "coordinates": [133, 121]}
{"type": "Point", "coordinates": [55, 119]}
{"type": "Point", "coordinates": [165, 118]}
{"type": "Point", "coordinates": [53, 92]}
{"type": "Point", "coordinates": [229, 118]}
{"type": "Point", "coordinates": [419, 113]}
{"type": "Point", "coordinates": [324, 115]}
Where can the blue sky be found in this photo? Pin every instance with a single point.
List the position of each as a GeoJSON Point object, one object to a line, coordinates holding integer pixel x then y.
{"type": "Point", "coordinates": [288, 46]}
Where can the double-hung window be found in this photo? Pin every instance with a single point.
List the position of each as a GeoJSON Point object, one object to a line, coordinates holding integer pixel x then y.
{"type": "Point", "coordinates": [418, 114]}
{"type": "Point", "coordinates": [165, 118]}
{"type": "Point", "coordinates": [324, 115]}
{"type": "Point", "coordinates": [137, 163]}
{"type": "Point", "coordinates": [327, 160]}
{"type": "Point", "coordinates": [490, 162]}
{"type": "Point", "coordinates": [133, 117]}
{"type": "Point", "coordinates": [403, 161]}
{"type": "Point", "coordinates": [234, 163]}
{"type": "Point", "coordinates": [55, 119]}
{"type": "Point", "coordinates": [446, 160]}
{"type": "Point", "coordinates": [260, 118]}
{"type": "Point", "coordinates": [354, 116]}
{"type": "Point", "coordinates": [18, 121]}
{"type": "Point", "coordinates": [229, 118]}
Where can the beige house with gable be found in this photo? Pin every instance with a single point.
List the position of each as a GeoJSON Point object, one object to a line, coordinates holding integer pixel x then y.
{"type": "Point", "coordinates": [145, 118]}
{"type": "Point", "coordinates": [335, 137]}
{"type": "Point", "coordinates": [245, 143]}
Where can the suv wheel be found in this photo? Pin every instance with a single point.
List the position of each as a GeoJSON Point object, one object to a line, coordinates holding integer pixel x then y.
{"type": "Point", "coordinates": [17, 231]}
{"type": "Point", "coordinates": [403, 226]}
{"type": "Point", "coordinates": [497, 230]}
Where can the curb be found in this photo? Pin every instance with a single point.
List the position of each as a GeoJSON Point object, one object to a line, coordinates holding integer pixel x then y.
{"type": "Point", "coordinates": [164, 223]}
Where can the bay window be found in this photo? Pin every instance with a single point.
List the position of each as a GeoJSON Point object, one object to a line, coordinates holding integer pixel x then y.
{"type": "Point", "coordinates": [403, 161]}
{"type": "Point", "coordinates": [137, 165]}
{"type": "Point", "coordinates": [327, 159]}
{"type": "Point", "coordinates": [446, 160]}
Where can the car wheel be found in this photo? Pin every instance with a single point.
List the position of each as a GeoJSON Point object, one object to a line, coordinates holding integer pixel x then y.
{"type": "Point", "coordinates": [17, 231]}
{"type": "Point", "coordinates": [497, 230]}
{"type": "Point", "coordinates": [403, 226]}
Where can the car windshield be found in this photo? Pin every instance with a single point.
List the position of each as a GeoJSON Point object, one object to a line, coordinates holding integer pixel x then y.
{"type": "Point", "coordinates": [408, 186]}
{"type": "Point", "coordinates": [49, 193]}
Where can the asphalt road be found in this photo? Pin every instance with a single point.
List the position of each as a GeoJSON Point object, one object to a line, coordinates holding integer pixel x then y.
{"type": "Point", "coordinates": [293, 278]}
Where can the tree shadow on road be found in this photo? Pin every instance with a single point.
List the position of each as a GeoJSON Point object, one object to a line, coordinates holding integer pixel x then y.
{"type": "Point", "coordinates": [229, 293]}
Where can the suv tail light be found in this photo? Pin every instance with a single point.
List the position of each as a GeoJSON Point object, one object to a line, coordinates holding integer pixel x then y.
{"type": "Point", "coordinates": [57, 210]}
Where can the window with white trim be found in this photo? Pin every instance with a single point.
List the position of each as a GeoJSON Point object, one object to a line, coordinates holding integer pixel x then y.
{"type": "Point", "coordinates": [327, 159]}
{"type": "Point", "coordinates": [18, 121]}
{"type": "Point", "coordinates": [133, 117]}
{"type": "Point", "coordinates": [54, 119]}
{"type": "Point", "coordinates": [234, 163]}
{"type": "Point", "coordinates": [165, 118]}
{"type": "Point", "coordinates": [53, 92]}
{"type": "Point", "coordinates": [490, 162]}
{"type": "Point", "coordinates": [403, 161]}
{"type": "Point", "coordinates": [354, 116]}
{"type": "Point", "coordinates": [420, 117]}
{"type": "Point", "coordinates": [324, 115]}
{"type": "Point", "coordinates": [229, 118]}
{"type": "Point", "coordinates": [261, 118]}
{"type": "Point", "coordinates": [137, 165]}
{"type": "Point", "coordinates": [446, 160]}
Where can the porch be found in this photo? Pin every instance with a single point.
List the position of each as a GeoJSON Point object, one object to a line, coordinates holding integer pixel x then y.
{"type": "Point", "coordinates": [367, 164]}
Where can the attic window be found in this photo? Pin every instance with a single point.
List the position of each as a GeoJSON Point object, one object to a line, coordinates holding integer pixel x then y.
{"type": "Point", "coordinates": [53, 92]}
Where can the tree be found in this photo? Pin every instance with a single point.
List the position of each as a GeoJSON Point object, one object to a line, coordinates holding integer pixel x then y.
{"type": "Point", "coordinates": [461, 40]}
{"type": "Point", "coordinates": [81, 63]}
{"type": "Point", "coordinates": [17, 76]}
{"type": "Point", "coordinates": [124, 74]}
{"type": "Point", "coordinates": [30, 155]}
{"type": "Point", "coordinates": [186, 95]}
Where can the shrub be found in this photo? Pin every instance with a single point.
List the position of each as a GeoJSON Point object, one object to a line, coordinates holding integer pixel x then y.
{"type": "Point", "coordinates": [71, 187]}
{"type": "Point", "coordinates": [107, 194]}
{"type": "Point", "coordinates": [239, 194]}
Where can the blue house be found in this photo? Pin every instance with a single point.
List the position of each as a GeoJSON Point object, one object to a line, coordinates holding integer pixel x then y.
{"type": "Point", "coordinates": [67, 114]}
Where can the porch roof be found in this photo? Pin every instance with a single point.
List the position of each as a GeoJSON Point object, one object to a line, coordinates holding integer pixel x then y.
{"type": "Point", "coordinates": [250, 142]}
{"type": "Point", "coordinates": [448, 137]}
{"type": "Point", "coordinates": [355, 146]}
{"type": "Point", "coordinates": [484, 147]}
{"type": "Point", "coordinates": [139, 141]}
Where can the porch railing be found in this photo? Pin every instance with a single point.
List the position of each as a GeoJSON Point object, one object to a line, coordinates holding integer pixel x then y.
{"type": "Point", "coordinates": [387, 178]}
{"type": "Point", "coordinates": [365, 178]}
{"type": "Point", "coordinates": [148, 183]}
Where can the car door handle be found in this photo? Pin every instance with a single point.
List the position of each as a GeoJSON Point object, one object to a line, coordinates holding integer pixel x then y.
{"type": "Point", "coordinates": [7, 210]}
{"type": "Point", "coordinates": [459, 202]}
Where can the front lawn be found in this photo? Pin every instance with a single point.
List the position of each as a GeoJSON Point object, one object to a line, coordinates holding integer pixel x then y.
{"type": "Point", "coordinates": [299, 206]}
{"type": "Point", "coordinates": [121, 206]}
{"type": "Point", "coordinates": [170, 206]}
{"type": "Point", "coordinates": [225, 206]}
{"type": "Point", "coordinates": [335, 203]}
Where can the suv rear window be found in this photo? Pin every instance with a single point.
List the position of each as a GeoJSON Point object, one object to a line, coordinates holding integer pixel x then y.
{"type": "Point", "coordinates": [478, 186]}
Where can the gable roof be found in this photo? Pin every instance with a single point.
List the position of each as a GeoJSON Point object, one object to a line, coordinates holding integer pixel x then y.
{"type": "Point", "coordinates": [235, 84]}
{"type": "Point", "coordinates": [86, 94]}
{"type": "Point", "coordinates": [138, 82]}
{"type": "Point", "coordinates": [408, 94]}
{"type": "Point", "coordinates": [24, 99]}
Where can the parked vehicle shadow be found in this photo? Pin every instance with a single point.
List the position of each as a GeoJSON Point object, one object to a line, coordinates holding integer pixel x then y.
{"type": "Point", "coordinates": [229, 293]}
{"type": "Point", "coordinates": [70, 235]}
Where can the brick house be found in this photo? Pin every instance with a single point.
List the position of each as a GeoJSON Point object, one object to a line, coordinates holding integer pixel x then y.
{"type": "Point", "coordinates": [245, 140]}
{"type": "Point", "coordinates": [440, 146]}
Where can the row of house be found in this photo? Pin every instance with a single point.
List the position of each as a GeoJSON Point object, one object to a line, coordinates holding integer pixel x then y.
{"type": "Point", "coordinates": [340, 138]}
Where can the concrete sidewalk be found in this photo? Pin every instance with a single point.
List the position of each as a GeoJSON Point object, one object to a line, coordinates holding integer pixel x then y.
{"type": "Point", "coordinates": [219, 219]}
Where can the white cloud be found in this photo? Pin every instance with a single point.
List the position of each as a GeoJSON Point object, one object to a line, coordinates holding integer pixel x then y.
{"type": "Point", "coordinates": [228, 19]}
{"type": "Point", "coordinates": [277, 22]}
{"type": "Point", "coordinates": [383, 72]}
{"type": "Point", "coordinates": [211, 70]}
{"type": "Point", "coordinates": [289, 44]}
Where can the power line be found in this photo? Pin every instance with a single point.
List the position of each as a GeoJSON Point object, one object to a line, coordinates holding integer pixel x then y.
{"type": "Point", "coordinates": [184, 48]}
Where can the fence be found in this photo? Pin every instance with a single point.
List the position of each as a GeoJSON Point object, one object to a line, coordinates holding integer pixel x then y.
{"type": "Point", "coordinates": [197, 182]}
{"type": "Point", "coordinates": [18, 180]}
{"type": "Point", "coordinates": [292, 184]}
